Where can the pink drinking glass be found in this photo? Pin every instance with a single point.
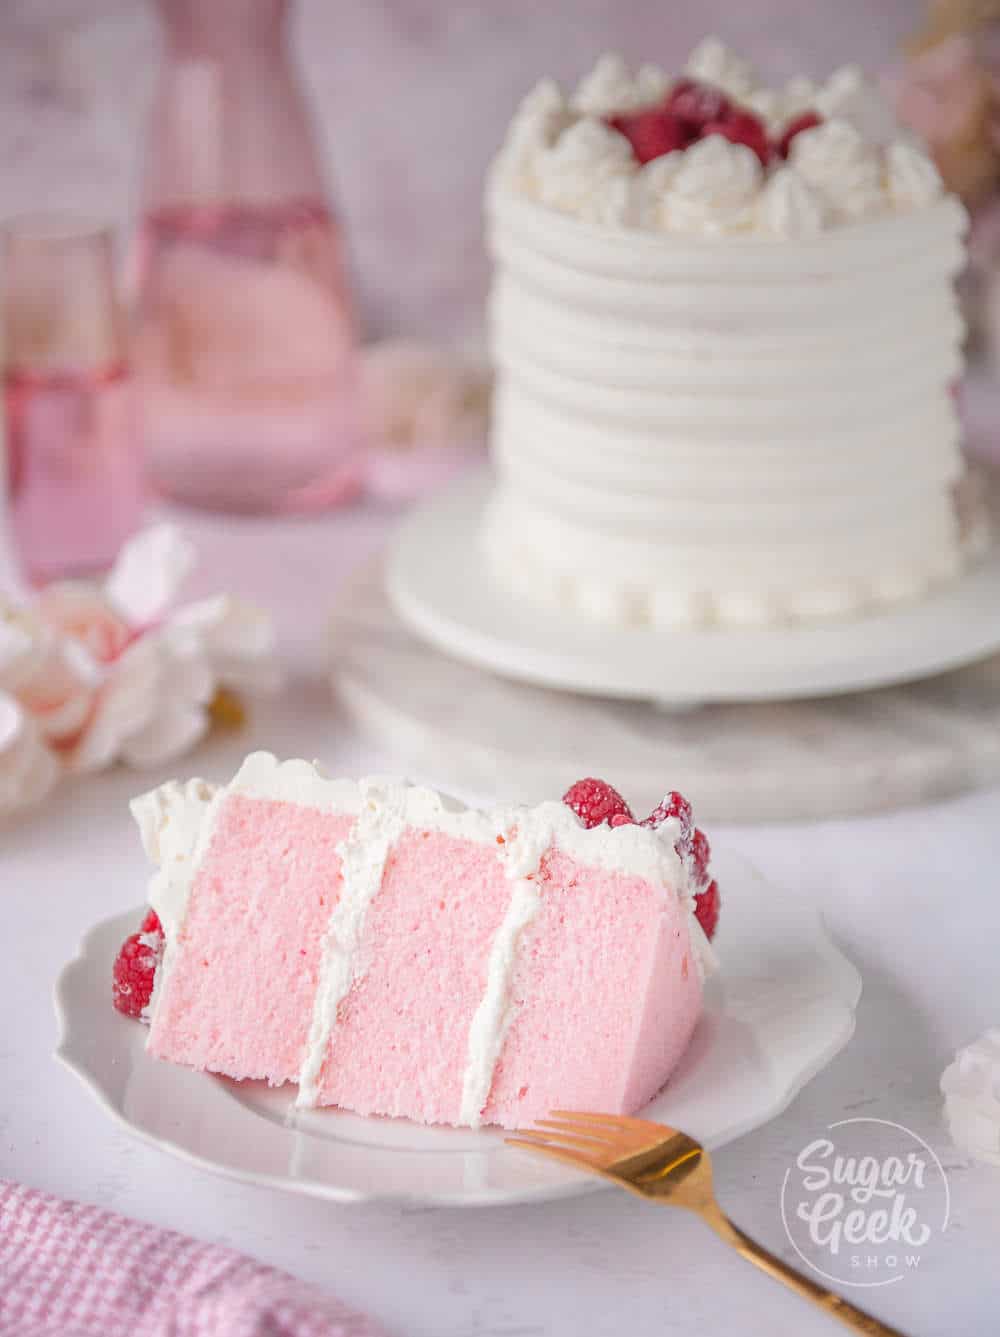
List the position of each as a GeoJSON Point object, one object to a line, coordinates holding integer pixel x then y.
{"type": "Point", "coordinates": [73, 467]}
{"type": "Point", "coordinates": [245, 340]}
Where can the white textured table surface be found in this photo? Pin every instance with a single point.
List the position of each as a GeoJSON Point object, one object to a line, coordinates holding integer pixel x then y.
{"type": "Point", "coordinates": [912, 897]}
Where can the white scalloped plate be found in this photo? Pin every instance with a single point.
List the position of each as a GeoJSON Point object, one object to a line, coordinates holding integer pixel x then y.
{"type": "Point", "coordinates": [437, 581]}
{"type": "Point", "coordinates": [781, 1009]}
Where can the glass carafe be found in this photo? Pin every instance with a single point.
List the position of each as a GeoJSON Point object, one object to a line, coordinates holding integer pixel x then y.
{"type": "Point", "coordinates": [245, 337]}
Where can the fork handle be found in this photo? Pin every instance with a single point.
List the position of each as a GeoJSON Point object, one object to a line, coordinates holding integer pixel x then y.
{"type": "Point", "coordinates": [834, 1305]}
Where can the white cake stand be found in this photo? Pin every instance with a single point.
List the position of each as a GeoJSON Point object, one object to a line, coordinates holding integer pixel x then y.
{"type": "Point", "coordinates": [438, 583]}
{"type": "Point", "coordinates": [452, 724]}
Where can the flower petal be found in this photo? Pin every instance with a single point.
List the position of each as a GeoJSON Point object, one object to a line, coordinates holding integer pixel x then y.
{"type": "Point", "coordinates": [28, 770]}
{"type": "Point", "coordinates": [130, 697]}
{"type": "Point", "coordinates": [176, 726]}
{"type": "Point", "coordinates": [149, 572]}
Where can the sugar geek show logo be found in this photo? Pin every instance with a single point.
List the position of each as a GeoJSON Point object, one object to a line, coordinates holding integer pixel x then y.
{"type": "Point", "coordinates": [864, 1201]}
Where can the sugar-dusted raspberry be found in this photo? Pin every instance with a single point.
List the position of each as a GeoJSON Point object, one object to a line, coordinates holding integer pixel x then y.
{"type": "Point", "coordinates": [652, 132]}
{"type": "Point", "coordinates": [742, 127]}
{"type": "Point", "coordinates": [696, 104]}
{"type": "Point", "coordinates": [706, 909]}
{"type": "Point", "coordinates": [151, 923]}
{"type": "Point", "coordinates": [594, 802]}
{"type": "Point", "coordinates": [134, 970]}
{"type": "Point", "coordinates": [807, 121]}
{"type": "Point", "coordinates": [698, 856]}
{"type": "Point", "coordinates": [672, 805]}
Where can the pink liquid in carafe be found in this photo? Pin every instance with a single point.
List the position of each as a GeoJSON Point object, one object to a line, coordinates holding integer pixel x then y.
{"type": "Point", "coordinates": [245, 351]}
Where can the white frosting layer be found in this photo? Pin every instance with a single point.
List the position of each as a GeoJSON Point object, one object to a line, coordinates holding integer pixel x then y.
{"type": "Point", "coordinates": [363, 855]}
{"type": "Point", "coordinates": [176, 822]}
{"type": "Point", "coordinates": [690, 430]}
{"type": "Point", "coordinates": [561, 152]}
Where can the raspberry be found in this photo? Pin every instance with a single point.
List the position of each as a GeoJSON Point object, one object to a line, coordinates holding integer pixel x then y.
{"type": "Point", "coordinates": [699, 855]}
{"type": "Point", "coordinates": [696, 104]}
{"type": "Point", "coordinates": [595, 802]}
{"type": "Point", "coordinates": [706, 909]}
{"type": "Point", "coordinates": [807, 121]}
{"type": "Point", "coordinates": [672, 805]}
{"type": "Point", "coordinates": [651, 132]}
{"type": "Point", "coordinates": [135, 967]}
{"type": "Point", "coordinates": [742, 127]}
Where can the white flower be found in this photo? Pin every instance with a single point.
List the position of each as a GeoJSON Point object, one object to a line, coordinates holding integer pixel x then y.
{"type": "Point", "coordinates": [149, 573]}
{"type": "Point", "coordinates": [714, 189]}
{"type": "Point", "coordinates": [111, 672]}
{"type": "Point", "coordinates": [54, 677]}
{"type": "Point", "coordinates": [836, 160]}
{"type": "Point", "coordinates": [714, 63]}
{"type": "Point", "coordinates": [28, 769]}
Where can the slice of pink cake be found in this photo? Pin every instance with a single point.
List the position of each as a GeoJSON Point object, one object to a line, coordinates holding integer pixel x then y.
{"type": "Point", "coordinates": [395, 953]}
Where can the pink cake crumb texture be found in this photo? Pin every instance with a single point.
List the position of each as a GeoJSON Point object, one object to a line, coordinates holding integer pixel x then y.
{"type": "Point", "coordinates": [400, 1044]}
{"type": "Point", "coordinates": [606, 995]}
{"type": "Point", "coordinates": [239, 1000]}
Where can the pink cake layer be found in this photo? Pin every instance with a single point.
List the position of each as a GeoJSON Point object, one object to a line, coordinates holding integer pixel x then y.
{"type": "Point", "coordinates": [604, 991]}
{"type": "Point", "coordinates": [402, 1032]}
{"type": "Point", "coordinates": [605, 994]}
{"type": "Point", "coordinates": [239, 998]}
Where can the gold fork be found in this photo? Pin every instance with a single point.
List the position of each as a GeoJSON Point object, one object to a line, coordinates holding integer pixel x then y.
{"type": "Point", "coordinates": [666, 1166]}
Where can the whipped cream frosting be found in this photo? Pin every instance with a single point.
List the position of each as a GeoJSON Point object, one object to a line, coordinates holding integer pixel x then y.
{"type": "Point", "coordinates": [692, 429]}
{"type": "Point", "coordinates": [856, 165]}
{"type": "Point", "coordinates": [176, 823]}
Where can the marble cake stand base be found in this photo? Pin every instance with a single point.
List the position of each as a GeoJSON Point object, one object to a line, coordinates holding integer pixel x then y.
{"type": "Point", "coordinates": [465, 729]}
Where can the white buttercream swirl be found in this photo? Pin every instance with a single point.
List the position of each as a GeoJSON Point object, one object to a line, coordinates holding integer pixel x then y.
{"type": "Point", "coordinates": [911, 177]}
{"type": "Point", "coordinates": [853, 166]}
{"type": "Point", "coordinates": [849, 96]}
{"type": "Point", "coordinates": [542, 116]}
{"type": "Point", "coordinates": [835, 159]}
{"type": "Point", "coordinates": [584, 171]}
{"type": "Point", "coordinates": [651, 189]}
{"type": "Point", "coordinates": [610, 87]}
{"type": "Point", "coordinates": [713, 62]}
{"type": "Point", "coordinates": [714, 189]}
{"type": "Point", "coordinates": [789, 207]}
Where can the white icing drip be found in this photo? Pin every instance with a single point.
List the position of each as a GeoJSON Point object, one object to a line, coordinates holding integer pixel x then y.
{"type": "Point", "coordinates": [363, 857]}
{"type": "Point", "coordinates": [492, 1018]}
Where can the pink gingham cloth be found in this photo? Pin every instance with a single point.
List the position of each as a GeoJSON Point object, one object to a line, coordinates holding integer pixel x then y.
{"type": "Point", "coordinates": [70, 1270]}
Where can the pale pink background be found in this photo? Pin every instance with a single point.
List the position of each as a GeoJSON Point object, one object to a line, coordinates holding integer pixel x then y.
{"type": "Point", "coordinates": [411, 96]}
